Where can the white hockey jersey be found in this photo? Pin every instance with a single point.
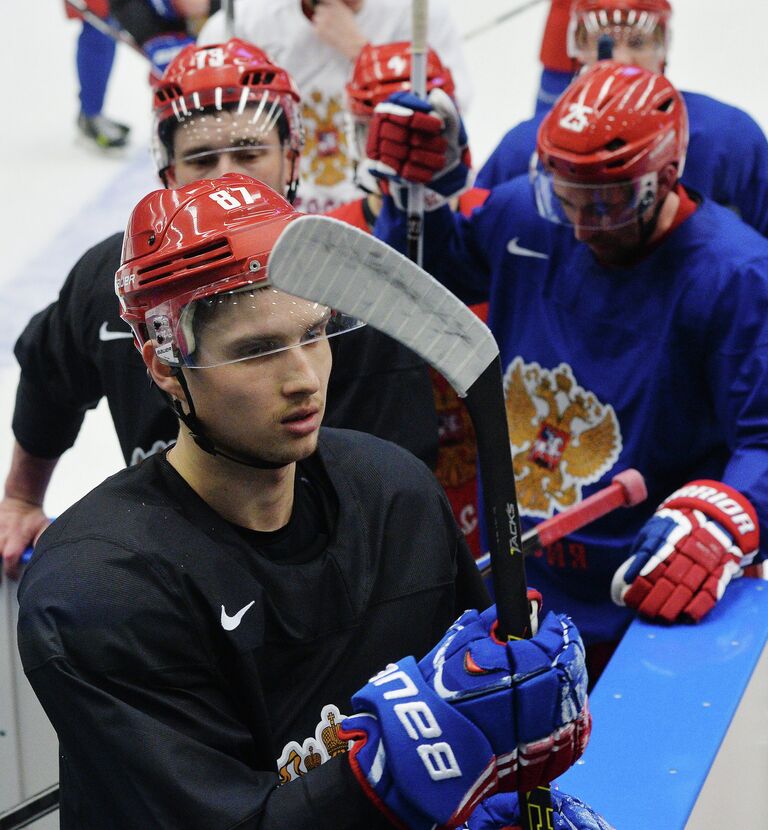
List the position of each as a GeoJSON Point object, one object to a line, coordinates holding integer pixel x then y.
{"type": "Point", "coordinates": [281, 29]}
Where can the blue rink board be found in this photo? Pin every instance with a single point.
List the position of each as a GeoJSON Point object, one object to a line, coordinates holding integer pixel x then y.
{"type": "Point", "coordinates": [662, 708]}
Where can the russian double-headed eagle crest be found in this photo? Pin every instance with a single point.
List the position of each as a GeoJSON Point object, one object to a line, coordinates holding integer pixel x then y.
{"type": "Point", "coordinates": [325, 157]}
{"type": "Point", "coordinates": [562, 437]}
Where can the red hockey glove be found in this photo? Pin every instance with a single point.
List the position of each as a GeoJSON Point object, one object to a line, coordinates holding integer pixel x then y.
{"type": "Point", "coordinates": [699, 539]}
{"type": "Point", "coordinates": [410, 140]}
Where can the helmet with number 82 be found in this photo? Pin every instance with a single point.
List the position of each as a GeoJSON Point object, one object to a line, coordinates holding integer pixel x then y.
{"type": "Point", "coordinates": [198, 256]}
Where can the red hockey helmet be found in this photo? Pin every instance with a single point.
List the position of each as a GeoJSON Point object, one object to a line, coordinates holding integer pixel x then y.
{"type": "Point", "coordinates": [381, 70]}
{"type": "Point", "coordinates": [641, 25]}
{"type": "Point", "coordinates": [232, 75]}
{"type": "Point", "coordinates": [202, 249]}
{"type": "Point", "coordinates": [615, 125]}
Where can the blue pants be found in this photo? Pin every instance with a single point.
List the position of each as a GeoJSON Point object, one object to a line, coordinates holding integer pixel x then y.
{"type": "Point", "coordinates": [95, 55]}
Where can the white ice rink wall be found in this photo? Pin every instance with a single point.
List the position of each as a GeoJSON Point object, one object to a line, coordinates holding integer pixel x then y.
{"type": "Point", "coordinates": [59, 198]}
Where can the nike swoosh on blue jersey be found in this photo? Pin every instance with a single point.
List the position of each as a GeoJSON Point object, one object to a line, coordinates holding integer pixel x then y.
{"type": "Point", "coordinates": [514, 248]}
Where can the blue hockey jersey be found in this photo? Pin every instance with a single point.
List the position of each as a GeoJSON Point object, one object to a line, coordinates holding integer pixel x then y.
{"type": "Point", "coordinates": [727, 157]}
{"type": "Point", "coordinates": [661, 366]}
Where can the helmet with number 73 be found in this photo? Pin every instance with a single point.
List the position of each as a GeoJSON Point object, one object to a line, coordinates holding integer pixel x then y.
{"type": "Point", "coordinates": [236, 77]}
{"type": "Point", "coordinates": [195, 260]}
{"type": "Point", "coordinates": [606, 144]}
{"type": "Point", "coordinates": [639, 29]}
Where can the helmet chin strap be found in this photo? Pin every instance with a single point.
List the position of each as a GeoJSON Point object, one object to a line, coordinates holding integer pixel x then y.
{"type": "Point", "coordinates": [192, 422]}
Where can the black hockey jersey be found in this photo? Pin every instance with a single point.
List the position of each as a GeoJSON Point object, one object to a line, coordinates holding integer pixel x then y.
{"type": "Point", "coordinates": [78, 350]}
{"type": "Point", "coordinates": [187, 676]}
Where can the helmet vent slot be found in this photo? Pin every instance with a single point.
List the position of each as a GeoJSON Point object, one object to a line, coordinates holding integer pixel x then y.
{"type": "Point", "coordinates": [616, 144]}
{"type": "Point", "coordinates": [666, 106]}
{"type": "Point", "coordinates": [257, 78]}
{"type": "Point", "coordinates": [170, 92]}
{"type": "Point", "coordinates": [202, 256]}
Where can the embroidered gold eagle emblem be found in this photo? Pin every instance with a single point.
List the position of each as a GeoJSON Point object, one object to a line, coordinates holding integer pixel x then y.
{"type": "Point", "coordinates": [324, 160]}
{"type": "Point", "coordinates": [561, 436]}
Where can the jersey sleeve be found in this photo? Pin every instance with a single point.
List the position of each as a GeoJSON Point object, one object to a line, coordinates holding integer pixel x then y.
{"type": "Point", "coordinates": [512, 155]}
{"type": "Point", "coordinates": [150, 732]}
{"type": "Point", "coordinates": [738, 377]}
{"type": "Point", "coordinates": [744, 176]}
{"type": "Point", "coordinates": [59, 377]}
{"type": "Point", "coordinates": [462, 252]}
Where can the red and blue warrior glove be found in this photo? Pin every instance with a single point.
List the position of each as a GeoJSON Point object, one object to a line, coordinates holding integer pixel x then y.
{"type": "Point", "coordinates": [699, 539]}
{"type": "Point", "coordinates": [475, 716]}
{"type": "Point", "coordinates": [423, 142]}
{"type": "Point", "coordinates": [502, 812]}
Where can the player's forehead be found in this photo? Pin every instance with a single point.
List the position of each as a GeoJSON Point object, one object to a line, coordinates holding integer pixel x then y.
{"type": "Point", "coordinates": [224, 128]}
{"type": "Point", "coordinates": [260, 312]}
{"type": "Point", "coordinates": [580, 193]}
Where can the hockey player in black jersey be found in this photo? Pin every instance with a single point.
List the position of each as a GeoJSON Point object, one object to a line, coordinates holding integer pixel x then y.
{"type": "Point", "coordinates": [197, 626]}
{"type": "Point", "coordinates": [220, 108]}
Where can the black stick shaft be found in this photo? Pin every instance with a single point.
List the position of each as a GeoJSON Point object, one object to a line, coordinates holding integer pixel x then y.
{"type": "Point", "coordinates": [34, 808]}
{"type": "Point", "coordinates": [485, 403]}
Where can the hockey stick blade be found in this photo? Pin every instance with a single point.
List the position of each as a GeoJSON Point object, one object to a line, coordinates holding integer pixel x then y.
{"type": "Point", "coordinates": [333, 263]}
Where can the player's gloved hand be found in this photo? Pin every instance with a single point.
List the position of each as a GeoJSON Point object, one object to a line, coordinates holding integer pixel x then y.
{"type": "Point", "coordinates": [475, 716]}
{"type": "Point", "coordinates": [162, 49]}
{"type": "Point", "coordinates": [699, 539]}
{"type": "Point", "coordinates": [411, 140]}
{"type": "Point", "coordinates": [502, 812]}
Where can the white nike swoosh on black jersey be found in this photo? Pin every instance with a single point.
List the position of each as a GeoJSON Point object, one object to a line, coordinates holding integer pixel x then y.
{"type": "Point", "coordinates": [231, 623]}
{"type": "Point", "coordinates": [514, 248]}
{"type": "Point", "coordinates": [106, 334]}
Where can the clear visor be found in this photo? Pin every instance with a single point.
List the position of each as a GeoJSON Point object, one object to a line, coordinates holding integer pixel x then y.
{"type": "Point", "coordinates": [198, 129]}
{"type": "Point", "coordinates": [592, 206]}
{"type": "Point", "coordinates": [250, 322]}
{"type": "Point", "coordinates": [638, 37]}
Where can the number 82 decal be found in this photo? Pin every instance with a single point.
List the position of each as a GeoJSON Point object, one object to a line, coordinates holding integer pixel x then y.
{"type": "Point", "coordinates": [228, 201]}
